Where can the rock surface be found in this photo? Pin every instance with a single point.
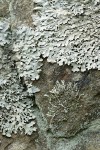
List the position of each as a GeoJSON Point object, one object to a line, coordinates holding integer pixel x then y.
{"type": "Point", "coordinates": [67, 108]}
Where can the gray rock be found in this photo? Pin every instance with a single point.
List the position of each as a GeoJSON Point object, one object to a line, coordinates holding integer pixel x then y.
{"type": "Point", "coordinates": [44, 106]}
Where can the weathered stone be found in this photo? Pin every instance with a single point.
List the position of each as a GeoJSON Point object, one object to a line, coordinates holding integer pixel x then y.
{"type": "Point", "coordinates": [86, 140]}
{"type": "Point", "coordinates": [4, 8]}
{"type": "Point", "coordinates": [70, 111]}
{"type": "Point", "coordinates": [67, 108]}
{"type": "Point", "coordinates": [18, 142]}
{"type": "Point", "coordinates": [21, 11]}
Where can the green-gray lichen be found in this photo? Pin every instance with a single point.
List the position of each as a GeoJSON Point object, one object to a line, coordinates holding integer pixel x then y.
{"type": "Point", "coordinates": [27, 57]}
{"type": "Point", "coordinates": [68, 32]}
{"type": "Point", "coordinates": [16, 106]}
{"type": "Point", "coordinates": [4, 32]}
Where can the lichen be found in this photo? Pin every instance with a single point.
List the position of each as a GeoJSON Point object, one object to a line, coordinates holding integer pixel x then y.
{"type": "Point", "coordinates": [68, 33]}
{"type": "Point", "coordinates": [59, 98]}
{"type": "Point", "coordinates": [16, 103]}
{"type": "Point", "coordinates": [17, 112]}
{"type": "Point", "coordinates": [27, 57]}
{"type": "Point", "coordinates": [4, 32]}
{"type": "Point", "coordinates": [59, 87]}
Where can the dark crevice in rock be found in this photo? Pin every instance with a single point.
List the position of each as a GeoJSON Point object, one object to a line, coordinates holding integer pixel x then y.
{"type": "Point", "coordinates": [85, 80]}
{"type": "Point", "coordinates": [49, 131]}
{"type": "Point", "coordinates": [23, 83]}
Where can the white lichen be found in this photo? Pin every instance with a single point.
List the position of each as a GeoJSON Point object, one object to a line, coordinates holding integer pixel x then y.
{"type": "Point", "coordinates": [16, 107]}
{"type": "Point", "coordinates": [59, 87]}
{"type": "Point", "coordinates": [68, 33]}
{"type": "Point", "coordinates": [17, 113]}
{"type": "Point", "coordinates": [4, 33]}
{"type": "Point", "coordinates": [27, 57]}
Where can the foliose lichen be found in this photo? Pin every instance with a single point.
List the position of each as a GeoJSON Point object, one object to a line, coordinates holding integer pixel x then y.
{"type": "Point", "coordinates": [16, 105]}
{"type": "Point", "coordinates": [4, 32]}
{"type": "Point", "coordinates": [27, 57]}
{"type": "Point", "coordinates": [68, 32]}
{"type": "Point", "coordinates": [16, 108]}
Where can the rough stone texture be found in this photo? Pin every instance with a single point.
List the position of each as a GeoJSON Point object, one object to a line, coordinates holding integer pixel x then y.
{"type": "Point", "coordinates": [67, 108]}
{"type": "Point", "coordinates": [4, 8]}
{"type": "Point", "coordinates": [78, 102]}
{"type": "Point", "coordinates": [21, 10]}
{"type": "Point", "coordinates": [17, 142]}
{"type": "Point", "coordinates": [86, 140]}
